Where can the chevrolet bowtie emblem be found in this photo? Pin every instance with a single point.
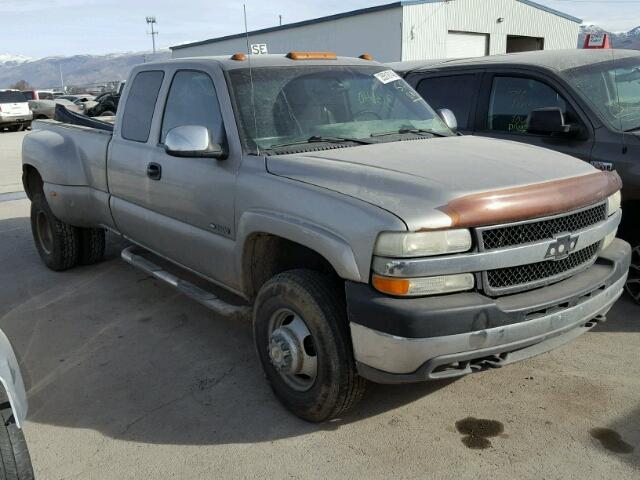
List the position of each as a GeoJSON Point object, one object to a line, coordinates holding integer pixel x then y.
{"type": "Point", "coordinates": [561, 247]}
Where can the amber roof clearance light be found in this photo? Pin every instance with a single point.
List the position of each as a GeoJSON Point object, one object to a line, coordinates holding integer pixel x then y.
{"type": "Point", "coordinates": [239, 57]}
{"type": "Point", "coordinates": [366, 56]}
{"type": "Point", "coordinates": [312, 56]}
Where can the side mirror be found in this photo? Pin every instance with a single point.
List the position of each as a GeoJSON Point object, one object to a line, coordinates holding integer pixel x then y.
{"type": "Point", "coordinates": [192, 141]}
{"type": "Point", "coordinates": [449, 118]}
{"type": "Point", "coordinates": [548, 121]}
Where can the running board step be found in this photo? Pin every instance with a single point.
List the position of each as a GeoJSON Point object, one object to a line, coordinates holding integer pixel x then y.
{"type": "Point", "coordinates": [192, 291]}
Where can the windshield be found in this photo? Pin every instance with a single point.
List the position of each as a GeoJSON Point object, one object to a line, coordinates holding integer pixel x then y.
{"type": "Point", "coordinates": [295, 104]}
{"type": "Point", "coordinates": [12, 96]}
{"type": "Point", "coordinates": [602, 84]}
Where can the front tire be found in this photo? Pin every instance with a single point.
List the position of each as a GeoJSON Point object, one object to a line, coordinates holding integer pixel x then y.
{"type": "Point", "coordinates": [302, 337]}
{"type": "Point", "coordinates": [57, 242]}
{"type": "Point", "coordinates": [15, 462]}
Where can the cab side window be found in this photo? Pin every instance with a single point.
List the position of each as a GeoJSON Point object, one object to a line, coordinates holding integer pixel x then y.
{"type": "Point", "coordinates": [454, 92]}
{"type": "Point", "coordinates": [138, 112]}
{"type": "Point", "coordinates": [192, 100]}
{"type": "Point", "coordinates": [513, 99]}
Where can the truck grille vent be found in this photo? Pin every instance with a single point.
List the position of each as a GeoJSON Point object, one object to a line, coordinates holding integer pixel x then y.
{"type": "Point", "coordinates": [543, 230]}
{"type": "Point", "coordinates": [539, 273]}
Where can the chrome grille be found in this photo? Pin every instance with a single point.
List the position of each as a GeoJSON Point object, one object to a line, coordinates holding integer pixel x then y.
{"type": "Point", "coordinates": [524, 277]}
{"type": "Point", "coordinates": [518, 234]}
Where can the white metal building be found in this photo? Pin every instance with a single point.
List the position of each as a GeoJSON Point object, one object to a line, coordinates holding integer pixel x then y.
{"type": "Point", "coordinates": [413, 30]}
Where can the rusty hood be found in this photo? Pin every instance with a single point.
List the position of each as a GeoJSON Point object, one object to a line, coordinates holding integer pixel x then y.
{"type": "Point", "coordinates": [418, 180]}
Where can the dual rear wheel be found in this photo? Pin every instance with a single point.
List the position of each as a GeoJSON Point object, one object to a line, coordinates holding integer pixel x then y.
{"type": "Point", "coordinates": [60, 245]}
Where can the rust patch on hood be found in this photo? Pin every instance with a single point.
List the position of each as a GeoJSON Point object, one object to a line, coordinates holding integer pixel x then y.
{"type": "Point", "coordinates": [532, 201]}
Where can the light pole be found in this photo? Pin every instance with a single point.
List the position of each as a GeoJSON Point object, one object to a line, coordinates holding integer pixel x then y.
{"type": "Point", "coordinates": [152, 22]}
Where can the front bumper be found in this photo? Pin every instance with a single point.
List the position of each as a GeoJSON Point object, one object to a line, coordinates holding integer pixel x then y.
{"type": "Point", "coordinates": [407, 340]}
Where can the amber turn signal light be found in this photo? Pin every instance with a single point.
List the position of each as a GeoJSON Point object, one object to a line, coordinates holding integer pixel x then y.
{"type": "Point", "coordinates": [392, 286]}
{"type": "Point", "coordinates": [312, 56]}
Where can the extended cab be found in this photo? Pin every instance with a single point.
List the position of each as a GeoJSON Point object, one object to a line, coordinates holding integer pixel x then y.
{"type": "Point", "coordinates": [366, 239]}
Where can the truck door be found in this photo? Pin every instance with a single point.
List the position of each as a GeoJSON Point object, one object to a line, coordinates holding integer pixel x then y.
{"type": "Point", "coordinates": [508, 99]}
{"type": "Point", "coordinates": [181, 208]}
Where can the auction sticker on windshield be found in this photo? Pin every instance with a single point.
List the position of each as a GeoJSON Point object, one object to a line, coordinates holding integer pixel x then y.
{"type": "Point", "coordinates": [387, 76]}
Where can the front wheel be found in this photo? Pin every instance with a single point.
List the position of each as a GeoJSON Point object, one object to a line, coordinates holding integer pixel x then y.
{"type": "Point", "coordinates": [15, 462]}
{"type": "Point", "coordinates": [302, 338]}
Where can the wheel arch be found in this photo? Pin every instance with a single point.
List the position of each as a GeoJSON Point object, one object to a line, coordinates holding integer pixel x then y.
{"type": "Point", "coordinates": [11, 380]}
{"type": "Point", "coordinates": [31, 180]}
{"type": "Point", "coordinates": [269, 244]}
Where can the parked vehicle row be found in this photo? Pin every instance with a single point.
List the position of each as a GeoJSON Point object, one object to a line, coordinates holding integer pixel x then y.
{"type": "Point", "coordinates": [19, 108]}
{"type": "Point", "coordinates": [366, 239]}
{"type": "Point", "coordinates": [584, 103]}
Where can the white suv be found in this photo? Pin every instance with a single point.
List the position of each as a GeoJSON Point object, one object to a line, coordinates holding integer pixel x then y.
{"type": "Point", "coordinates": [14, 111]}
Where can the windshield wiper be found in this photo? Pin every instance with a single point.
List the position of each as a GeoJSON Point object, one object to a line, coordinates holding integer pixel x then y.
{"type": "Point", "coordinates": [323, 139]}
{"type": "Point", "coordinates": [634, 129]}
{"type": "Point", "coordinates": [403, 131]}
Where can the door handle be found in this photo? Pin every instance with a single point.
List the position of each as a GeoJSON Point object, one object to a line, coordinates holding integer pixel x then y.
{"type": "Point", "coordinates": [154, 171]}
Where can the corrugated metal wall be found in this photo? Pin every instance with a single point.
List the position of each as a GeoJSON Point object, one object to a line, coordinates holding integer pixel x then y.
{"type": "Point", "coordinates": [378, 33]}
{"type": "Point", "coordinates": [411, 32]}
{"type": "Point", "coordinates": [426, 26]}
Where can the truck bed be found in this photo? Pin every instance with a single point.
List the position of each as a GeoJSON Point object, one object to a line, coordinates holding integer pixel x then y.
{"type": "Point", "coordinates": [66, 154]}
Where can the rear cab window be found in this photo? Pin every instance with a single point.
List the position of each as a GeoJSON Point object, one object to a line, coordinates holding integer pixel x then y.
{"type": "Point", "coordinates": [138, 111]}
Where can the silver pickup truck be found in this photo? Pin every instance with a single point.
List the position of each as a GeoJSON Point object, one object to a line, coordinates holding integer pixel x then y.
{"type": "Point", "coordinates": [333, 205]}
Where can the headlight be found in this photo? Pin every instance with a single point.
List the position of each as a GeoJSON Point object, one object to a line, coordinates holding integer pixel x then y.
{"type": "Point", "coordinates": [614, 202]}
{"type": "Point", "coordinates": [415, 287]}
{"type": "Point", "coordinates": [422, 244]}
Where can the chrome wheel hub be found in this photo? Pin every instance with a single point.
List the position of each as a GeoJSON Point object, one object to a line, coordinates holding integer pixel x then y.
{"type": "Point", "coordinates": [292, 350]}
{"type": "Point", "coordinates": [284, 351]}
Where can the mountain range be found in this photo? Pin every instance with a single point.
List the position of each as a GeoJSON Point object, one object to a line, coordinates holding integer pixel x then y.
{"type": "Point", "coordinates": [76, 70]}
{"type": "Point", "coordinates": [85, 70]}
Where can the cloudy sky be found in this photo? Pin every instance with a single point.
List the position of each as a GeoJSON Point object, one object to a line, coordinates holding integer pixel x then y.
{"type": "Point", "coordinates": [38, 28]}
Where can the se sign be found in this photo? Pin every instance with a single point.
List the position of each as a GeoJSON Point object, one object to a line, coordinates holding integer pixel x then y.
{"type": "Point", "coordinates": [259, 49]}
